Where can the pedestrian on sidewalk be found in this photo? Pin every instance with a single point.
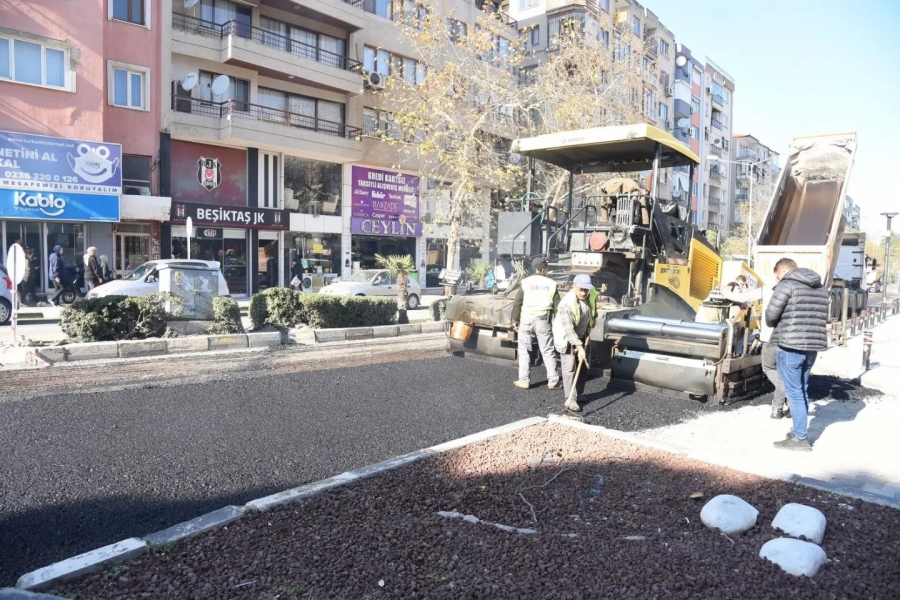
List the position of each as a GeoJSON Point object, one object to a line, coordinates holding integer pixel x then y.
{"type": "Point", "coordinates": [571, 329]}
{"type": "Point", "coordinates": [798, 312]}
{"type": "Point", "coordinates": [105, 271]}
{"type": "Point", "coordinates": [28, 281]}
{"type": "Point", "coordinates": [57, 274]}
{"type": "Point", "coordinates": [93, 275]}
{"type": "Point", "coordinates": [532, 313]}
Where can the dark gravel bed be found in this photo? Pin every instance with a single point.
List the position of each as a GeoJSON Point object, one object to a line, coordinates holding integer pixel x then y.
{"type": "Point", "coordinates": [612, 520]}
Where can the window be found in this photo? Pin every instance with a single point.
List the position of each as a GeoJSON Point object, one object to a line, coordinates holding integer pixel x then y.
{"type": "Point", "coordinates": [221, 12]}
{"type": "Point", "coordinates": [663, 111]}
{"type": "Point", "coordinates": [379, 8]}
{"type": "Point", "coordinates": [136, 174]}
{"type": "Point", "coordinates": [238, 90]}
{"type": "Point", "coordinates": [604, 37]}
{"type": "Point", "coordinates": [130, 11]}
{"type": "Point", "coordinates": [414, 14]}
{"type": "Point", "coordinates": [128, 87]}
{"type": "Point", "coordinates": [695, 104]}
{"type": "Point", "coordinates": [380, 123]}
{"type": "Point", "coordinates": [458, 30]}
{"type": "Point", "coordinates": [302, 111]}
{"type": "Point", "coordinates": [695, 133]}
{"type": "Point", "coordinates": [637, 26]}
{"type": "Point", "coordinates": [663, 47]}
{"type": "Point", "coordinates": [604, 4]}
{"type": "Point", "coordinates": [527, 4]}
{"type": "Point", "coordinates": [34, 63]}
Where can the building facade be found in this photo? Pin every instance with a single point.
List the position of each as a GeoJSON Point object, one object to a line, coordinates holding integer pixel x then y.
{"type": "Point", "coordinates": [852, 213]}
{"type": "Point", "coordinates": [79, 116]}
{"type": "Point", "coordinates": [750, 160]}
{"type": "Point", "coordinates": [717, 90]}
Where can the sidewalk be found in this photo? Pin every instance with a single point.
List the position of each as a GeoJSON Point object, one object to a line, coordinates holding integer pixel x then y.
{"type": "Point", "coordinates": [853, 429]}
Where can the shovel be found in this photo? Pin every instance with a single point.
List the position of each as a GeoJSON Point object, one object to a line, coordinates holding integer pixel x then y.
{"type": "Point", "coordinates": [573, 394]}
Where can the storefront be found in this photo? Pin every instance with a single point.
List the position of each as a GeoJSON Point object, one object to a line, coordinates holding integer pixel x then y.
{"type": "Point", "coordinates": [319, 255]}
{"type": "Point", "coordinates": [58, 191]}
{"type": "Point", "coordinates": [385, 216]}
{"type": "Point", "coordinates": [243, 240]}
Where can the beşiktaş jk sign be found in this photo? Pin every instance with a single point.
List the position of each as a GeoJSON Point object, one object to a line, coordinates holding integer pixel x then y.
{"type": "Point", "coordinates": [230, 216]}
{"type": "Point", "coordinates": [50, 178]}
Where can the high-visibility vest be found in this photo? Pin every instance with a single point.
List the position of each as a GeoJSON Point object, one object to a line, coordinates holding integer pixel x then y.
{"type": "Point", "coordinates": [538, 294]}
{"type": "Point", "coordinates": [592, 303]}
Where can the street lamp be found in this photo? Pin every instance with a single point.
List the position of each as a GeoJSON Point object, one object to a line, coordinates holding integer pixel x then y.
{"type": "Point", "coordinates": [887, 254]}
{"type": "Point", "coordinates": [749, 165]}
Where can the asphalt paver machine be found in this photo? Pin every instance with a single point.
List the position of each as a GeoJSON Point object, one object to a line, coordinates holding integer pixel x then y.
{"type": "Point", "coordinates": [661, 325]}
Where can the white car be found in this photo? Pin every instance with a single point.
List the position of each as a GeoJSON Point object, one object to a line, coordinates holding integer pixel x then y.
{"type": "Point", "coordinates": [374, 282]}
{"type": "Point", "coordinates": [144, 280]}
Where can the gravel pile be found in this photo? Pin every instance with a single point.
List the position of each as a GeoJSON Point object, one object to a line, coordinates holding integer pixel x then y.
{"type": "Point", "coordinates": [609, 518]}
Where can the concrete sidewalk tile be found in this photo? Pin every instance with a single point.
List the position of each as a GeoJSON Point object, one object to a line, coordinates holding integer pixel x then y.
{"type": "Point", "coordinates": [408, 329]}
{"type": "Point", "coordinates": [433, 326]}
{"type": "Point", "coordinates": [330, 335]}
{"type": "Point", "coordinates": [88, 562]}
{"type": "Point", "coordinates": [359, 333]}
{"type": "Point", "coordinates": [228, 342]}
{"type": "Point", "coordinates": [132, 348]}
{"type": "Point", "coordinates": [92, 351]}
{"type": "Point", "coordinates": [264, 339]}
{"type": "Point", "coordinates": [14, 594]}
{"type": "Point", "coordinates": [199, 343]}
{"type": "Point", "coordinates": [206, 522]}
{"type": "Point", "coordinates": [384, 331]}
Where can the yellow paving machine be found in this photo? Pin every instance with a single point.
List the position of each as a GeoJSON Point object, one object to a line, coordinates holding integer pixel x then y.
{"type": "Point", "coordinates": [663, 324]}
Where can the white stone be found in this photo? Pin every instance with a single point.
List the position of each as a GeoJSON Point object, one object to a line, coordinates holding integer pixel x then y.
{"type": "Point", "coordinates": [795, 557]}
{"type": "Point", "coordinates": [800, 520]}
{"type": "Point", "coordinates": [729, 514]}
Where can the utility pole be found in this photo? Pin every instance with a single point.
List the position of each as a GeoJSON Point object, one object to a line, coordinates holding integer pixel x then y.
{"type": "Point", "coordinates": [887, 254]}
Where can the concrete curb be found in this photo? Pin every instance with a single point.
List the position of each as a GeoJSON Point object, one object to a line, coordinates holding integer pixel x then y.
{"type": "Point", "coordinates": [50, 355]}
{"type": "Point", "coordinates": [47, 577]}
{"type": "Point", "coordinates": [14, 594]}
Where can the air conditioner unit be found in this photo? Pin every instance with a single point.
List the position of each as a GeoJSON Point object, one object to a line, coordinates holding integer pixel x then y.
{"type": "Point", "coordinates": [375, 80]}
{"type": "Point", "coordinates": [668, 91]}
{"type": "Point", "coordinates": [138, 190]}
{"type": "Point", "coordinates": [669, 125]}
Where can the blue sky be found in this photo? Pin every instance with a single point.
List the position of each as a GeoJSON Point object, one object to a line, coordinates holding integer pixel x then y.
{"type": "Point", "coordinates": [805, 67]}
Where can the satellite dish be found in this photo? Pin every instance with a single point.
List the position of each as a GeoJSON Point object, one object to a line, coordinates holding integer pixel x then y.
{"type": "Point", "coordinates": [682, 123]}
{"type": "Point", "coordinates": [515, 158]}
{"type": "Point", "coordinates": [189, 81]}
{"type": "Point", "coordinates": [220, 85]}
{"type": "Point", "coordinates": [190, 3]}
{"type": "Point", "coordinates": [680, 60]}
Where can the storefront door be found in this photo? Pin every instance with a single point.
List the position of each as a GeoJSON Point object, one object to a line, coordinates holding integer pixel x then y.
{"type": "Point", "coordinates": [132, 250]}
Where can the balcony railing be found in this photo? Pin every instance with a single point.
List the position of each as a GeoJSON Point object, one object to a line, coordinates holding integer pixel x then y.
{"type": "Point", "coordinates": [715, 151]}
{"type": "Point", "coordinates": [717, 124]}
{"type": "Point", "coordinates": [356, 3]}
{"type": "Point", "coordinates": [715, 174]}
{"type": "Point", "coordinates": [747, 155]}
{"type": "Point", "coordinates": [246, 110]}
{"type": "Point", "coordinates": [266, 38]}
{"type": "Point", "coordinates": [719, 99]}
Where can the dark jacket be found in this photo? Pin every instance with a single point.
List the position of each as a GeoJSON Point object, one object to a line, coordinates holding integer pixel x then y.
{"type": "Point", "coordinates": [92, 271]}
{"type": "Point", "coordinates": [799, 312]}
{"type": "Point", "coordinates": [57, 268]}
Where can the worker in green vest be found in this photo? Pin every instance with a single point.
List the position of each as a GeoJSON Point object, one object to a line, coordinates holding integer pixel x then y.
{"type": "Point", "coordinates": [532, 313]}
{"type": "Point", "coordinates": [572, 327]}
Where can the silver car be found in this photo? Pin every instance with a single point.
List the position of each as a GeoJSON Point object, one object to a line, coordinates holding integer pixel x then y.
{"type": "Point", "coordinates": [6, 288]}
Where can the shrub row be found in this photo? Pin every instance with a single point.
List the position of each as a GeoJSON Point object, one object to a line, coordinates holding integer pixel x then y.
{"type": "Point", "coordinates": [114, 318]}
{"type": "Point", "coordinates": [438, 308]}
{"type": "Point", "coordinates": [285, 308]}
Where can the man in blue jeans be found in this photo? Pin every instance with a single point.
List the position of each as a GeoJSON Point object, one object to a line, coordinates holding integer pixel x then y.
{"type": "Point", "coordinates": [798, 312]}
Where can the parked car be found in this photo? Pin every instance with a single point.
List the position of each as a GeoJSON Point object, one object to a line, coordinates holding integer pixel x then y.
{"type": "Point", "coordinates": [144, 280]}
{"type": "Point", "coordinates": [373, 282]}
{"type": "Point", "coordinates": [6, 288]}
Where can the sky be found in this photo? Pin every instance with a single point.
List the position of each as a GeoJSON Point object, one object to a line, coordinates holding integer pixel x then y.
{"type": "Point", "coordinates": [804, 67]}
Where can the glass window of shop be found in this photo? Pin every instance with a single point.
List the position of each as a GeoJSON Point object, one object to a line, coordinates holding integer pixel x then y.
{"type": "Point", "coordinates": [27, 234]}
{"type": "Point", "coordinates": [435, 261]}
{"type": "Point", "coordinates": [469, 252]}
{"type": "Point", "coordinates": [71, 237]}
{"type": "Point", "coordinates": [267, 260]}
{"type": "Point", "coordinates": [312, 186]}
{"type": "Point", "coordinates": [317, 256]}
{"type": "Point", "coordinates": [227, 246]}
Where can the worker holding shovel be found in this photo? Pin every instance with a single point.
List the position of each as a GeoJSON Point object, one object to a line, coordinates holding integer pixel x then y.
{"type": "Point", "coordinates": [571, 330]}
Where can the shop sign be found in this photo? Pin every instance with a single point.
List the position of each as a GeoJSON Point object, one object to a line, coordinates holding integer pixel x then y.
{"type": "Point", "coordinates": [399, 228]}
{"type": "Point", "coordinates": [59, 179]}
{"type": "Point", "coordinates": [209, 173]}
{"type": "Point", "coordinates": [230, 216]}
{"type": "Point", "coordinates": [384, 195]}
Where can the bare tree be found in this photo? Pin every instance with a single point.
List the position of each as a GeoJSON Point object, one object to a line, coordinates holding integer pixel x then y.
{"type": "Point", "coordinates": [750, 215]}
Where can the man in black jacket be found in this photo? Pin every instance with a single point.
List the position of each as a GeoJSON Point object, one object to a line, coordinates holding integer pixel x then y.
{"type": "Point", "coordinates": [798, 312]}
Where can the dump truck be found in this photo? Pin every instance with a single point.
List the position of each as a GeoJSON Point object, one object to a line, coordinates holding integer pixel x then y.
{"type": "Point", "coordinates": [661, 324]}
{"type": "Point", "coordinates": [805, 222]}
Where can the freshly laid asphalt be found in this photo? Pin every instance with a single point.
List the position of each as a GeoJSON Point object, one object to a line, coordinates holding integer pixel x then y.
{"type": "Point", "coordinates": [82, 470]}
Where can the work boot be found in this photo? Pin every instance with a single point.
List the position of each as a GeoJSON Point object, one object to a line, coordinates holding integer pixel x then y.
{"type": "Point", "coordinates": [522, 384]}
{"type": "Point", "coordinates": [555, 386]}
{"type": "Point", "coordinates": [777, 413]}
{"type": "Point", "coordinates": [792, 443]}
{"type": "Point", "coordinates": [572, 405]}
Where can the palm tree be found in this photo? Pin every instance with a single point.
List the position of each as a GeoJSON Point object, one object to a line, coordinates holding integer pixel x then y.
{"type": "Point", "coordinates": [401, 267]}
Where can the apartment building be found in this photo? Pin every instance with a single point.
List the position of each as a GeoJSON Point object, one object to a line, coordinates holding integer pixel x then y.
{"type": "Point", "coordinates": [717, 89]}
{"type": "Point", "coordinates": [78, 129]}
{"type": "Point", "coordinates": [688, 101]}
{"type": "Point", "coordinates": [751, 160]}
{"type": "Point", "coordinates": [852, 212]}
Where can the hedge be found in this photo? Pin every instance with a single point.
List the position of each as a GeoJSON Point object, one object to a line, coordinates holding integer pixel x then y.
{"type": "Point", "coordinates": [285, 308]}
{"type": "Point", "coordinates": [438, 308]}
{"type": "Point", "coordinates": [114, 318]}
{"type": "Point", "coordinates": [227, 315]}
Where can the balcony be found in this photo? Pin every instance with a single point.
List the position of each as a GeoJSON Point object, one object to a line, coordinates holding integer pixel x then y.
{"type": "Point", "coordinates": [717, 124]}
{"type": "Point", "coordinates": [715, 151]}
{"type": "Point", "coordinates": [651, 46]}
{"type": "Point", "coordinates": [747, 154]}
{"type": "Point", "coordinates": [718, 99]}
{"type": "Point", "coordinates": [268, 53]}
{"type": "Point", "coordinates": [345, 14]}
{"type": "Point", "coordinates": [255, 126]}
{"type": "Point", "coordinates": [715, 174]}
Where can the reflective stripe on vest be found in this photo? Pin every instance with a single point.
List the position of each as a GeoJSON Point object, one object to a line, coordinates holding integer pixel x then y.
{"type": "Point", "coordinates": [538, 293]}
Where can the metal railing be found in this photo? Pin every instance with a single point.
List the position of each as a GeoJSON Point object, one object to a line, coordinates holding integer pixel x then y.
{"type": "Point", "coordinates": [715, 150]}
{"type": "Point", "coordinates": [266, 38]}
{"type": "Point", "coordinates": [246, 110]}
{"type": "Point", "coordinates": [717, 124]}
{"type": "Point", "coordinates": [718, 98]}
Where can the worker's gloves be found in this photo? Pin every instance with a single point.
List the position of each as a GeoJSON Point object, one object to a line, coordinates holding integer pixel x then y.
{"type": "Point", "coordinates": [580, 353]}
